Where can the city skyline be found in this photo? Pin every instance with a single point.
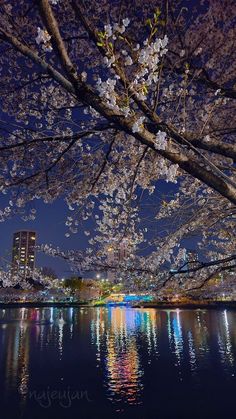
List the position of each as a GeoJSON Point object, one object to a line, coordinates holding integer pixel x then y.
{"type": "Point", "coordinates": [117, 209]}
{"type": "Point", "coordinates": [50, 228]}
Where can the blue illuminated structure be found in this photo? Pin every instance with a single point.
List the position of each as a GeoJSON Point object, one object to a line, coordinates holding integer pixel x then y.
{"type": "Point", "coordinates": [134, 298]}
{"type": "Point", "coordinates": [125, 299]}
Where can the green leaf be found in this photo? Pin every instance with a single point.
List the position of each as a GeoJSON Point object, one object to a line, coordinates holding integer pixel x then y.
{"type": "Point", "coordinates": [101, 34]}
{"type": "Point", "coordinates": [149, 22]}
{"type": "Point", "coordinates": [145, 90]}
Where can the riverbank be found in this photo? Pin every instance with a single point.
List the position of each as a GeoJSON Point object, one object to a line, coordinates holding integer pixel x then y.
{"type": "Point", "coordinates": [39, 304]}
{"type": "Point", "coordinates": [154, 304]}
{"type": "Point", "coordinates": [187, 305]}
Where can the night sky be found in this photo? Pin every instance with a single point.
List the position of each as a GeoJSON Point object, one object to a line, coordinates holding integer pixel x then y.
{"type": "Point", "coordinates": [50, 228]}
{"type": "Point", "coordinates": [50, 224]}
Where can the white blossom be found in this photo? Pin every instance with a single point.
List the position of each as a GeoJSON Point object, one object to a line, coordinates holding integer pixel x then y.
{"type": "Point", "coordinates": [47, 47]}
{"type": "Point", "coordinates": [108, 30]}
{"type": "Point", "coordinates": [172, 173]}
{"type": "Point", "coordinates": [43, 36]}
{"type": "Point", "coordinates": [109, 61]}
{"type": "Point", "coordinates": [137, 126]}
{"type": "Point", "coordinates": [198, 51]}
{"type": "Point", "coordinates": [126, 22]}
{"type": "Point", "coordinates": [128, 61]}
{"type": "Point", "coordinates": [84, 76]}
{"type": "Point", "coordinates": [160, 141]}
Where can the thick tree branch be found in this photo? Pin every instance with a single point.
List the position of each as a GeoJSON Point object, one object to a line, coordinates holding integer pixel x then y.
{"type": "Point", "coordinates": [53, 29]}
{"type": "Point", "coordinates": [85, 94]}
{"type": "Point", "coordinates": [32, 55]}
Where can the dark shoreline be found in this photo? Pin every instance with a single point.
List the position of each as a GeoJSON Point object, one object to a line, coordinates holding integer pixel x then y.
{"type": "Point", "coordinates": [192, 305]}
{"type": "Point", "coordinates": [156, 305]}
{"type": "Point", "coordinates": [40, 304]}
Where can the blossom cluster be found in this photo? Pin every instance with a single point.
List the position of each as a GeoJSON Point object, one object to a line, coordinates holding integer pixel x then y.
{"type": "Point", "coordinates": [44, 38]}
{"type": "Point", "coordinates": [168, 172]}
{"type": "Point", "coordinates": [160, 141]}
{"type": "Point", "coordinates": [143, 63]}
{"type": "Point", "coordinates": [137, 126]}
{"type": "Point", "coordinates": [149, 58]}
{"type": "Point", "coordinates": [106, 90]}
{"type": "Point", "coordinates": [112, 31]}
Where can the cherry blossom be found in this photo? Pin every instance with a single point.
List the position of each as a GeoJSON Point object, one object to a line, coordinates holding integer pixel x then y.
{"type": "Point", "coordinates": [160, 140]}
{"type": "Point", "coordinates": [125, 102]}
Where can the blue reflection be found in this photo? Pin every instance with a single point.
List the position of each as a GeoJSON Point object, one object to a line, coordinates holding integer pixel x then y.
{"type": "Point", "coordinates": [128, 357]}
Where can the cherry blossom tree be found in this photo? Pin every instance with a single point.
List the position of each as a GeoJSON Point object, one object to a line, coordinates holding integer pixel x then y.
{"type": "Point", "coordinates": [102, 101]}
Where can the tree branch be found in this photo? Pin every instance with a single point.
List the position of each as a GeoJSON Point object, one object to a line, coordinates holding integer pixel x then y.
{"type": "Point", "coordinates": [53, 30]}
{"type": "Point", "coordinates": [88, 96]}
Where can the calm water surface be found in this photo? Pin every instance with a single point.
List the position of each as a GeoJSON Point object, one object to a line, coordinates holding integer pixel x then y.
{"type": "Point", "coordinates": [117, 362]}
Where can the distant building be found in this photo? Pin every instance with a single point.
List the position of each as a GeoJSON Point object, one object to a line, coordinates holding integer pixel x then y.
{"type": "Point", "coordinates": [23, 252]}
{"type": "Point", "coordinates": [115, 256]}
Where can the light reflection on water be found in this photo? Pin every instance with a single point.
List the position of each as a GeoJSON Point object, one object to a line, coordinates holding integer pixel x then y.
{"type": "Point", "coordinates": [124, 350]}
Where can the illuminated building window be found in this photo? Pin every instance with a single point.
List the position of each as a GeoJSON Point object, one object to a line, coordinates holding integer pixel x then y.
{"type": "Point", "coordinates": [23, 251]}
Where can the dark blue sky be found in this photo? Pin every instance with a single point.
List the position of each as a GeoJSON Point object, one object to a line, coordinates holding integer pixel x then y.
{"type": "Point", "coordinates": [50, 228]}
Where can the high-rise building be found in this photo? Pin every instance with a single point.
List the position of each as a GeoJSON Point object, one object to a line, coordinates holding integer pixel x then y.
{"type": "Point", "coordinates": [23, 252]}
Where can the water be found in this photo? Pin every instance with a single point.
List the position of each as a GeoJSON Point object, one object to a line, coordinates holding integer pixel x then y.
{"type": "Point", "coordinates": [117, 362]}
